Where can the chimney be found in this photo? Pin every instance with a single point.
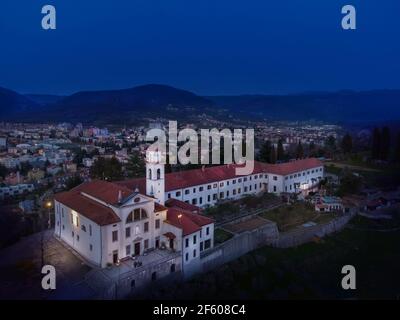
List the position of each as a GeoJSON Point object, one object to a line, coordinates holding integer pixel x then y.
{"type": "Point", "coordinates": [203, 168]}
{"type": "Point", "coordinates": [119, 196]}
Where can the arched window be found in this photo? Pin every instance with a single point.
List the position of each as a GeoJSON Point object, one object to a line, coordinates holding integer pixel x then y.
{"type": "Point", "coordinates": [129, 218]}
{"type": "Point", "coordinates": [154, 276]}
{"type": "Point", "coordinates": [144, 214]}
{"type": "Point", "coordinates": [133, 283]}
{"type": "Point", "coordinates": [150, 174]}
{"type": "Point", "coordinates": [158, 174]}
{"type": "Point", "coordinates": [136, 215]}
{"type": "Point", "coordinates": [172, 269]}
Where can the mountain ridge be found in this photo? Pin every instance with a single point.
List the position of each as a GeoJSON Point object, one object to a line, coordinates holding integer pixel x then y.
{"type": "Point", "coordinates": [155, 100]}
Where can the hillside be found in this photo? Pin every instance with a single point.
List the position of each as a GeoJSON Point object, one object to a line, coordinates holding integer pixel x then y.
{"type": "Point", "coordinates": [149, 101]}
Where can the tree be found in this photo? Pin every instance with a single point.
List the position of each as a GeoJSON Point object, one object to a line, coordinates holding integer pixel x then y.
{"type": "Point", "coordinates": [106, 169]}
{"type": "Point", "coordinates": [281, 152]}
{"type": "Point", "coordinates": [272, 155]}
{"type": "Point", "coordinates": [299, 151]}
{"type": "Point", "coordinates": [349, 184]}
{"type": "Point", "coordinates": [24, 168]}
{"type": "Point", "coordinates": [3, 171]}
{"type": "Point", "coordinates": [385, 144]}
{"type": "Point", "coordinates": [331, 142]}
{"type": "Point", "coordinates": [73, 182]}
{"type": "Point", "coordinates": [136, 166]}
{"type": "Point", "coordinates": [376, 144]}
{"type": "Point", "coordinates": [265, 152]}
{"type": "Point", "coordinates": [397, 149]}
{"type": "Point", "coordinates": [79, 155]}
{"type": "Point", "coordinates": [312, 150]}
{"type": "Point", "coordinates": [347, 143]}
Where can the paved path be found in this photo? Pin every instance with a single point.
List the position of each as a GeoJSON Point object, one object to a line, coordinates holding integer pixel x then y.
{"type": "Point", "coordinates": [20, 269]}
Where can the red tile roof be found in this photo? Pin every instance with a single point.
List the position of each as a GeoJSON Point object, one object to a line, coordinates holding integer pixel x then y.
{"type": "Point", "coordinates": [107, 192]}
{"type": "Point", "coordinates": [91, 209]}
{"type": "Point", "coordinates": [158, 207]}
{"type": "Point", "coordinates": [284, 169]}
{"type": "Point", "coordinates": [175, 203]}
{"type": "Point", "coordinates": [189, 178]}
{"type": "Point", "coordinates": [188, 222]}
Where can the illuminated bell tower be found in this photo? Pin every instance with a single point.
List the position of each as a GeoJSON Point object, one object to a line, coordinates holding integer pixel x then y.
{"type": "Point", "coordinates": [155, 176]}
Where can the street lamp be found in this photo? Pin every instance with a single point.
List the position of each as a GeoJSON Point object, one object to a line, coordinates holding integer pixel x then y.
{"type": "Point", "coordinates": [49, 205]}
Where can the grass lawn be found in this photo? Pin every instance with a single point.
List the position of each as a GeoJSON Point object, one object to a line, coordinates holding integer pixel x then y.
{"type": "Point", "coordinates": [221, 235]}
{"type": "Point", "coordinates": [289, 217]}
{"type": "Point", "coordinates": [373, 175]}
{"type": "Point", "coordinates": [246, 204]}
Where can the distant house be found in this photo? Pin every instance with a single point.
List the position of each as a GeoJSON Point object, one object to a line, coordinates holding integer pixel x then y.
{"type": "Point", "coordinates": [35, 174]}
{"type": "Point", "coordinates": [12, 191]}
{"type": "Point", "coordinates": [70, 167]}
{"type": "Point", "coordinates": [53, 170]}
{"type": "Point", "coordinates": [376, 204]}
{"type": "Point", "coordinates": [87, 162]}
{"type": "Point", "coordinates": [329, 204]}
{"type": "Point", "coordinates": [27, 206]}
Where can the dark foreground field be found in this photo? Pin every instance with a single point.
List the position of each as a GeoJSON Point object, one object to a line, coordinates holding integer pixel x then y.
{"type": "Point", "coordinates": [311, 271]}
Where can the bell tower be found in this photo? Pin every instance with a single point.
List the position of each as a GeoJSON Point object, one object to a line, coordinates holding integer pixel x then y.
{"type": "Point", "coordinates": [155, 176]}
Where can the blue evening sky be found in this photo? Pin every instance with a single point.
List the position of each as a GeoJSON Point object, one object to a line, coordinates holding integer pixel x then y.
{"type": "Point", "coordinates": [207, 46]}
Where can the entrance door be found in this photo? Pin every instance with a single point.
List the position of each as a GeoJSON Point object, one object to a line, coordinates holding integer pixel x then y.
{"type": "Point", "coordinates": [115, 256]}
{"type": "Point", "coordinates": [137, 248]}
{"type": "Point", "coordinates": [171, 244]}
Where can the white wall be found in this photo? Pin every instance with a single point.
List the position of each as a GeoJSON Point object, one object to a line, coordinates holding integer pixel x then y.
{"type": "Point", "coordinates": [230, 189]}
{"type": "Point", "coordinates": [72, 232]}
{"type": "Point", "coordinates": [303, 179]}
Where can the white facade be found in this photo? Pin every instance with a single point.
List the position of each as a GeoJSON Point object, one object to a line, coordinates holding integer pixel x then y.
{"type": "Point", "coordinates": [209, 194]}
{"type": "Point", "coordinates": [135, 223]}
{"type": "Point", "coordinates": [16, 190]}
{"type": "Point", "coordinates": [155, 177]}
{"type": "Point", "coordinates": [139, 230]}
